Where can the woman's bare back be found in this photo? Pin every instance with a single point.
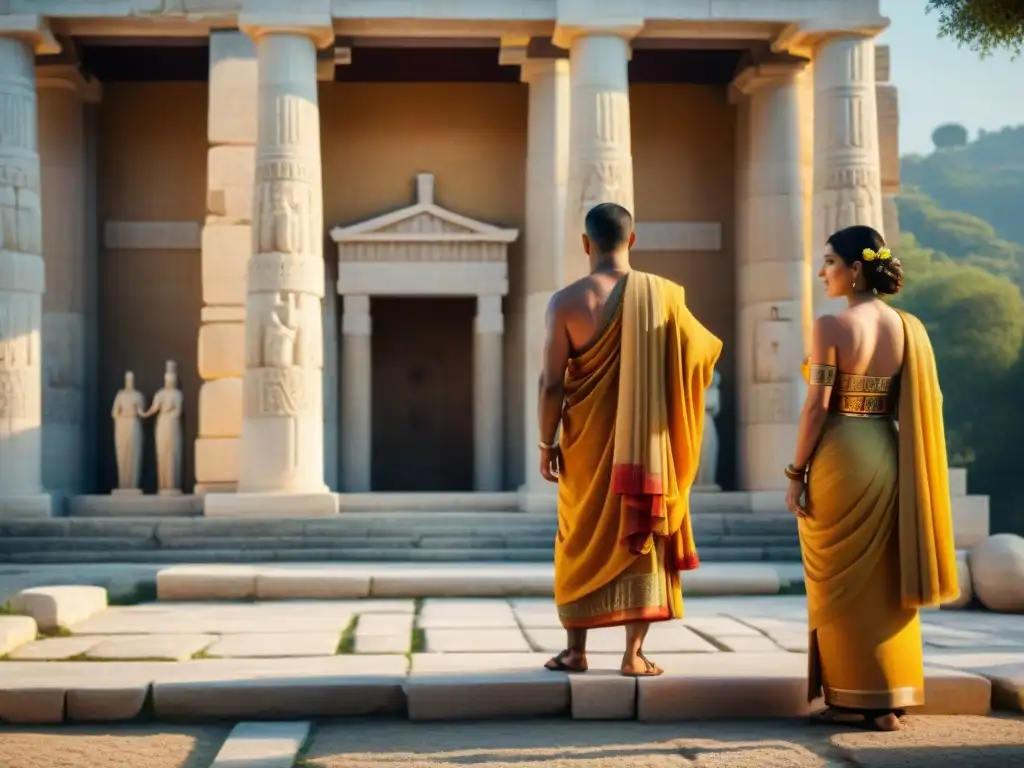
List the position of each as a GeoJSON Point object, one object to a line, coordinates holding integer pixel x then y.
{"type": "Point", "coordinates": [869, 340]}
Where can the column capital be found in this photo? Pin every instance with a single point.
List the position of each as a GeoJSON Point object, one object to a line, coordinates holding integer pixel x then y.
{"type": "Point", "coordinates": [757, 75]}
{"type": "Point", "coordinates": [567, 31]}
{"type": "Point", "coordinates": [319, 28]}
{"type": "Point", "coordinates": [532, 69]}
{"type": "Point", "coordinates": [807, 34]}
{"type": "Point", "coordinates": [70, 77]}
{"type": "Point", "coordinates": [31, 29]}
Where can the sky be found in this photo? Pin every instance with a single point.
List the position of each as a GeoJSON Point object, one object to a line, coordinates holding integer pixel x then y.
{"type": "Point", "coordinates": [941, 83]}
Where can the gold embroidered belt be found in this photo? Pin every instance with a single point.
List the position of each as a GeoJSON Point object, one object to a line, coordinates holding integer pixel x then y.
{"type": "Point", "coordinates": [863, 395]}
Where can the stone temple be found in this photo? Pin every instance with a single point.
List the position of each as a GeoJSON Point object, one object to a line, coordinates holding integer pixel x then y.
{"type": "Point", "coordinates": [342, 220]}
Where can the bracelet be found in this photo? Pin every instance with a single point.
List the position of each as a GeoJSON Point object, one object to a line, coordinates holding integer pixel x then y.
{"type": "Point", "coordinates": [795, 474]}
{"type": "Point", "coordinates": [546, 446]}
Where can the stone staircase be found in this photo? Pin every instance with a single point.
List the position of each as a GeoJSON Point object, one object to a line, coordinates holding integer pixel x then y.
{"type": "Point", "coordinates": [366, 536]}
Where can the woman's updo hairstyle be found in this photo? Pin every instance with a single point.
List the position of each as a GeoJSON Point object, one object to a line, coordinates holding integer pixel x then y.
{"type": "Point", "coordinates": [882, 271]}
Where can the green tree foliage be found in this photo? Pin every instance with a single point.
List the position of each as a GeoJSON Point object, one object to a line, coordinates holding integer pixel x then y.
{"type": "Point", "coordinates": [949, 135]}
{"type": "Point", "coordinates": [982, 25]}
{"type": "Point", "coordinates": [984, 178]}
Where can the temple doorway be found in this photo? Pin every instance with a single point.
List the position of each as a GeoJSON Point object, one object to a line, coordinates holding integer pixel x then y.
{"type": "Point", "coordinates": [422, 379]}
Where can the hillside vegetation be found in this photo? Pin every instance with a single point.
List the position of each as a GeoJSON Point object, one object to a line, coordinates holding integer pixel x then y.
{"type": "Point", "coordinates": [962, 217]}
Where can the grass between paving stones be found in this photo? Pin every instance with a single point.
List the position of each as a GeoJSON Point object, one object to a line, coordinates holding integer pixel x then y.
{"type": "Point", "coordinates": [347, 642]}
{"type": "Point", "coordinates": [141, 592]}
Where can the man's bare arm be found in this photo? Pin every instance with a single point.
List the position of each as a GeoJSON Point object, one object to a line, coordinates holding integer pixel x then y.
{"type": "Point", "coordinates": [556, 358]}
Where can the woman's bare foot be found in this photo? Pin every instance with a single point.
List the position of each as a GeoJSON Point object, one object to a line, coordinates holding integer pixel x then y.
{"type": "Point", "coordinates": [639, 666]}
{"type": "Point", "coordinates": [888, 722]}
{"type": "Point", "coordinates": [568, 661]}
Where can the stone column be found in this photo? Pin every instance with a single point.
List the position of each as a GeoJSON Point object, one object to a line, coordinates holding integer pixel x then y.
{"type": "Point", "coordinates": [67, 373]}
{"type": "Point", "coordinates": [356, 399]}
{"type": "Point", "coordinates": [773, 269]}
{"type": "Point", "coordinates": [600, 144]}
{"type": "Point", "coordinates": [281, 457]}
{"type": "Point", "coordinates": [847, 174]}
{"type": "Point", "coordinates": [547, 172]}
{"type": "Point", "coordinates": [488, 392]}
{"type": "Point", "coordinates": [888, 144]}
{"type": "Point", "coordinates": [22, 275]}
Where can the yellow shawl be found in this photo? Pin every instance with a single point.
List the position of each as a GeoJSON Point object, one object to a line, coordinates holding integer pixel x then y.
{"type": "Point", "coordinates": [666, 362]}
{"type": "Point", "coordinates": [928, 568]}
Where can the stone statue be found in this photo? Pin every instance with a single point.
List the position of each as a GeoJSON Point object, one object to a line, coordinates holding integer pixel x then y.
{"type": "Point", "coordinates": [127, 412]}
{"type": "Point", "coordinates": [167, 405]}
{"type": "Point", "coordinates": [708, 466]}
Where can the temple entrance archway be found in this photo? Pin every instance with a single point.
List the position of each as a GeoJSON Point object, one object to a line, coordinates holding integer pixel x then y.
{"type": "Point", "coordinates": [447, 274]}
{"type": "Point", "coordinates": [422, 379]}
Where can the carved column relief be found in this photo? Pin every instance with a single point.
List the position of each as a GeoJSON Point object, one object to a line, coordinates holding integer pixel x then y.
{"type": "Point", "coordinates": [22, 282]}
{"type": "Point", "coordinates": [282, 427]}
{"type": "Point", "coordinates": [600, 143]}
{"type": "Point", "coordinates": [773, 265]}
{"type": "Point", "coordinates": [847, 187]}
{"type": "Point", "coordinates": [888, 144]}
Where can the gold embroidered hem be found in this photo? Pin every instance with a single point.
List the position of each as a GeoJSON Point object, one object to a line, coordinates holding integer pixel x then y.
{"type": "Point", "coordinates": [895, 698]}
{"type": "Point", "coordinates": [645, 591]}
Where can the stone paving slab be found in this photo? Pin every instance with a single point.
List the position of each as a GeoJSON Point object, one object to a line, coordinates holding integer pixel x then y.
{"type": "Point", "coordinates": [150, 647]}
{"type": "Point", "coordinates": [1005, 671]}
{"type": "Point", "coordinates": [475, 640]}
{"type": "Point", "coordinates": [263, 745]}
{"type": "Point", "coordinates": [55, 648]}
{"type": "Point", "coordinates": [59, 607]}
{"type": "Point", "coordinates": [238, 618]}
{"type": "Point", "coordinates": [668, 637]}
{"type": "Point", "coordinates": [274, 645]}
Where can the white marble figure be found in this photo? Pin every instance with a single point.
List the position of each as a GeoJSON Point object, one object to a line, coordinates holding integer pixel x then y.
{"type": "Point", "coordinates": [708, 467]}
{"type": "Point", "coordinates": [167, 405]}
{"type": "Point", "coordinates": [127, 412]}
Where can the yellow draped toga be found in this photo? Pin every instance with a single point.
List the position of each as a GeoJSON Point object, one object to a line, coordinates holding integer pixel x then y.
{"type": "Point", "coordinates": [878, 541]}
{"type": "Point", "coordinates": [631, 433]}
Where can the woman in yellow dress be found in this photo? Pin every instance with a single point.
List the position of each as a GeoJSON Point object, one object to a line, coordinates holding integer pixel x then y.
{"type": "Point", "coordinates": [870, 487]}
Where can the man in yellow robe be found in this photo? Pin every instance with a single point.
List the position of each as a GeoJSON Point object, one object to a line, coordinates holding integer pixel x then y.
{"type": "Point", "coordinates": [625, 370]}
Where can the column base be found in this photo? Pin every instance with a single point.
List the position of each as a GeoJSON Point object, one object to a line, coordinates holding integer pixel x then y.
{"type": "Point", "coordinates": [541, 502]}
{"type": "Point", "coordinates": [270, 505]}
{"type": "Point", "coordinates": [20, 507]}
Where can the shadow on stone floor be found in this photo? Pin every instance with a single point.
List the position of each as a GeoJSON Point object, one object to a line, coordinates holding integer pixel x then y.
{"type": "Point", "coordinates": [110, 746]}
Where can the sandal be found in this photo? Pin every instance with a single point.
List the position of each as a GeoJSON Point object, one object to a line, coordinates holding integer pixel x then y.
{"type": "Point", "coordinates": [557, 663]}
{"type": "Point", "coordinates": [864, 719]}
{"type": "Point", "coordinates": [650, 668]}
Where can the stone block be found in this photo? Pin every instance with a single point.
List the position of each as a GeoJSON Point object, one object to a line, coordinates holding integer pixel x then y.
{"type": "Point", "coordinates": [150, 647]}
{"type": "Point", "coordinates": [467, 640]}
{"type": "Point", "coordinates": [737, 685]}
{"type": "Point", "coordinates": [602, 695]}
{"type": "Point", "coordinates": [215, 618]}
{"type": "Point", "coordinates": [56, 608]}
{"type": "Point", "coordinates": [954, 692]}
{"type": "Point", "coordinates": [270, 505]}
{"type": "Point", "coordinates": [185, 505]}
{"type": "Point", "coordinates": [230, 177]}
{"type": "Point", "coordinates": [201, 582]}
{"type": "Point", "coordinates": [220, 408]}
{"type": "Point", "coordinates": [338, 686]}
{"type": "Point", "coordinates": [275, 645]}
{"type": "Point", "coordinates": [453, 582]}
{"type": "Point", "coordinates": [970, 520]}
{"type": "Point", "coordinates": [737, 579]}
{"type": "Point", "coordinates": [957, 481]}
{"type": "Point", "coordinates": [221, 351]}
{"type": "Point", "coordinates": [263, 745]}
{"type": "Point", "coordinates": [997, 572]}
{"type": "Point", "coordinates": [202, 489]}
{"type": "Point", "coordinates": [310, 584]}
{"type": "Point", "coordinates": [216, 462]}
{"type": "Point", "coordinates": [399, 642]}
{"type": "Point", "coordinates": [233, 87]}
{"type": "Point", "coordinates": [54, 648]}
{"type": "Point", "coordinates": [32, 704]}
{"type": "Point", "coordinates": [26, 507]}
{"type": "Point", "coordinates": [46, 692]}
{"type": "Point", "coordinates": [16, 631]}
{"type": "Point", "coordinates": [477, 686]}
{"type": "Point", "coordinates": [226, 253]}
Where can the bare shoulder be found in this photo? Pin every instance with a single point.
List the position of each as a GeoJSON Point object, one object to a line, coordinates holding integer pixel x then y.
{"type": "Point", "coordinates": [831, 327]}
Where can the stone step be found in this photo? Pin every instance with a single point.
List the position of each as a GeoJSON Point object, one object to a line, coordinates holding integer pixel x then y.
{"type": "Point", "coordinates": [438, 686]}
{"type": "Point", "coordinates": [239, 554]}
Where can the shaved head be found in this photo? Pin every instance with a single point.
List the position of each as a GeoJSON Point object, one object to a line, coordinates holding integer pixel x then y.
{"type": "Point", "coordinates": [608, 227]}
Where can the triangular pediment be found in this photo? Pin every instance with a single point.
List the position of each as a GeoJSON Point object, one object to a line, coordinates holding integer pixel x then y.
{"type": "Point", "coordinates": [423, 220]}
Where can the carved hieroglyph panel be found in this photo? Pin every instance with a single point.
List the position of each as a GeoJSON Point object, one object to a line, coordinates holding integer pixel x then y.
{"type": "Point", "coordinates": [427, 252]}
{"type": "Point", "coordinates": [888, 137]}
{"type": "Point", "coordinates": [19, 356]}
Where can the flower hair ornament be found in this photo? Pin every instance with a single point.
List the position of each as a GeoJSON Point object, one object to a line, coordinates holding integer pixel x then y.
{"type": "Point", "coordinates": [882, 254]}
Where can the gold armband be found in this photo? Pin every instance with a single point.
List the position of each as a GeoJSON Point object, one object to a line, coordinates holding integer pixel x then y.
{"type": "Point", "coordinates": [822, 375]}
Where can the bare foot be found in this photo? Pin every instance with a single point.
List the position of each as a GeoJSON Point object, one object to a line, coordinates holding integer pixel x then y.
{"type": "Point", "coordinates": [568, 661]}
{"type": "Point", "coordinates": [639, 666]}
{"type": "Point", "coordinates": [888, 722]}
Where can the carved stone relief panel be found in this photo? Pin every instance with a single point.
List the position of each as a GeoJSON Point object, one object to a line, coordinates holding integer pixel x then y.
{"type": "Point", "coordinates": [776, 349]}
{"type": "Point", "coordinates": [19, 356]}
